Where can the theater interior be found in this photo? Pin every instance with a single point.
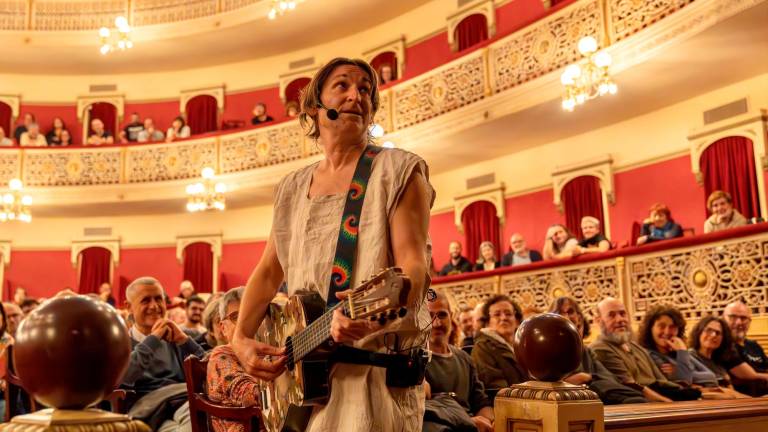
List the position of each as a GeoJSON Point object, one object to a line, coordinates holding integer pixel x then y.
{"type": "Point", "coordinates": [147, 137]}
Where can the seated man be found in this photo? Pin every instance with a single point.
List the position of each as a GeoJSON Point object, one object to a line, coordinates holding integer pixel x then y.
{"type": "Point", "coordinates": [260, 114]}
{"type": "Point", "coordinates": [467, 326]}
{"type": "Point", "coordinates": [629, 361]}
{"type": "Point", "coordinates": [32, 137]}
{"type": "Point", "coordinates": [520, 254]}
{"type": "Point", "coordinates": [28, 305]}
{"type": "Point", "coordinates": [158, 349]}
{"type": "Point", "coordinates": [457, 264]}
{"type": "Point", "coordinates": [451, 370]}
{"type": "Point", "coordinates": [13, 317]}
{"type": "Point", "coordinates": [99, 135]}
{"type": "Point", "coordinates": [194, 322]}
{"type": "Point", "coordinates": [150, 133]}
{"type": "Point", "coordinates": [739, 317]}
{"type": "Point", "coordinates": [227, 382]}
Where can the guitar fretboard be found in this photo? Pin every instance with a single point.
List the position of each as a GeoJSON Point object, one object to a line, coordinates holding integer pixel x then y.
{"type": "Point", "coordinates": [314, 335]}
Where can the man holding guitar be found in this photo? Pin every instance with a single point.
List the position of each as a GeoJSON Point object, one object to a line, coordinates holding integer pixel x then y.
{"type": "Point", "coordinates": [336, 222]}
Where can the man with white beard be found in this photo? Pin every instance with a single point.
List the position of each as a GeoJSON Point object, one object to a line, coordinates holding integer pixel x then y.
{"type": "Point", "coordinates": [629, 361]}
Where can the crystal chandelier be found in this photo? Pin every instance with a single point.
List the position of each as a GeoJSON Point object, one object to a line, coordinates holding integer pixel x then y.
{"type": "Point", "coordinates": [206, 195]}
{"type": "Point", "coordinates": [280, 7]}
{"type": "Point", "coordinates": [15, 206]}
{"type": "Point", "coordinates": [589, 78]}
{"type": "Point", "coordinates": [121, 41]}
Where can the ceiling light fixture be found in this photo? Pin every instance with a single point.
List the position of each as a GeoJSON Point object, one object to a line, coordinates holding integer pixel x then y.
{"type": "Point", "coordinates": [14, 205]}
{"type": "Point", "coordinates": [589, 78]}
{"type": "Point", "coordinates": [121, 40]}
{"type": "Point", "coordinates": [206, 195]}
{"type": "Point", "coordinates": [280, 7]}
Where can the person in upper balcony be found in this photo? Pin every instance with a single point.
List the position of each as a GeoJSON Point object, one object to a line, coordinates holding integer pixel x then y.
{"type": "Point", "coordinates": [178, 130]}
{"type": "Point", "coordinates": [29, 118]}
{"type": "Point", "coordinates": [4, 140]}
{"type": "Point", "coordinates": [385, 74]}
{"type": "Point", "coordinates": [54, 135]}
{"type": "Point", "coordinates": [99, 135]}
{"type": "Point", "coordinates": [32, 137]}
{"type": "Point", "coordinates": [66, 138]}
{"type": "Point", "coordinates": [150, 133]}
{"type": "Point", "coordinates": [457, 264]}
{"type": "Point", "coordinates": [560, 243]}
{"type": "Point", "coordinates": [594, 241]}
{"type": "Point", "coordinates": [292, 109]}
{"type": "Point", "coordinates": [260, 115]}
{"type": "Point", "coordinates": [131, 130]}
{"type": "Point", "coordinates": [519, 253]}
{"type": "Point", "coordinates": [487, 259]}
{"type": "Point", "coordinates": [659, 226]}
{"type": "Point", "coordinates": [724, 216]}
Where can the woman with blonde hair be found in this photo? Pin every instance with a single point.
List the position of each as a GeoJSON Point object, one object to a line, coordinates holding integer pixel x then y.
{"type": "Point", "coordinates": [560, 243]}
{"type": "Point", "coordinates": [724, 216]}
{"type": "Point", "coordinates": [594, 241]}
{"type": "Point", "coordinates": [487, 260]}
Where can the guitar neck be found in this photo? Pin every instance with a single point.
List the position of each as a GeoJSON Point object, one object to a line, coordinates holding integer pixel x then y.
{"type": "Point", "coordinates": [314, 335]}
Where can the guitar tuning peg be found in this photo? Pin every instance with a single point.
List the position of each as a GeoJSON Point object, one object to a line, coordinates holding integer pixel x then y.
{"type": "Point", "coordinates": [392, 315]}
{"type": "Point", "coordinates": [383, 318]}
{"type": "Point", "coordinates": [373, 318]}
{"type": "Point", "coordinates": [401, 313]}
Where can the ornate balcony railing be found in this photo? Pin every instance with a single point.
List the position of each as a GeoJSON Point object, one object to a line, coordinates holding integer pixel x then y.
{"type": "Point", "coordinates": [699, 275]}
{"type": "Point", "coordinates": [501, 66]}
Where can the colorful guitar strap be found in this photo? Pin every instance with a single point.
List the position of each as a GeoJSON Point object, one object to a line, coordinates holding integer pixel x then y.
{"type": "Point", "coordinates": [344, 262]}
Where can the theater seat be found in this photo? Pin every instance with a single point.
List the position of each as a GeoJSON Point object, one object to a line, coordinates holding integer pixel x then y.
{"type": "Point", "coordinates": [201, 408]}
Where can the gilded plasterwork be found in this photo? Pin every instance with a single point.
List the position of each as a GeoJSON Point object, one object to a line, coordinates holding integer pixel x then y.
{"type": "Point", "coordinates": [169, 162]}
{"type": "Point", "coordinates": [469, 293]}
{"type": "Point", "coordinates": [9, 166]}
{"type": "Point", "coordinates": [76, 14]}
{"type": "Point", "coordinates": [262, 147]}
{"type": "Point", "coordinates": [629, 16]}
{"type": "Point", "coordinates": [13, 15]}
{"type": "Point", "coordinates": [72, 168]}
{"type": "Point", "coordinates": [148, 12]}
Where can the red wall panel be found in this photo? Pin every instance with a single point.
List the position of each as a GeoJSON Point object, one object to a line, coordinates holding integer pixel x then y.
{"type": "Point", "coordinates": [42, 272]}
{"type": "Point", "coordinates": [442, 231]}
{"type": "Point", "coordinates": [45, 115]}
{"type": "Point", "coordinates": [516, 15]}
{"type": "Point", "coordinates": [160, 263]}
{"type": "Point", "coordinates": [162, 113]}
{"type": "Point", "coordinates": [238, 261]}
{"type": "Point", "coordinates": [530, 215]}
{"type": "Point", "coordinates": [239, 106]}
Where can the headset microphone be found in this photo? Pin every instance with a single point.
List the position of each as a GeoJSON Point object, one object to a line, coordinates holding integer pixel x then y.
{"type": "Point", "coordinates": [331, 113]}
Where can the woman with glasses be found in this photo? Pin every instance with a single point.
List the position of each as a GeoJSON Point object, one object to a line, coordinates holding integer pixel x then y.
{"type": "Point", "coordinates": [493, 354]}
{"type": "Point", "coordinates": [712, 344]}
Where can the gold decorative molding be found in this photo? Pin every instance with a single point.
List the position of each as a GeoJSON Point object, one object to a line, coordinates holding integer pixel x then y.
{"type": "Point", "coordinates": [601, 168]}
{"type": "Point", "coordinates": [112, 244]}
{"type": "Point", "coordinates": [13, 101]}
{"type": "Point", "coordinates": [216, 92]}
{"type": "Point", "coordinates": [482, 7]}
{"type": "Point", "coordinates": [626, 18]}
{"type": "Point", "coordinates": [469, 292]}
{"type": "Point", "coordinates": [397, 46]}
{"type": "Point", "coordinates": [150, 12]}
{"type": "Point", "coordinates": [492, 193]}
{"type": "Point", "coordinates": [215, 240]}
{"type": "Point", "coordinates": [5, 255]}
{"type": "Point", "coordinates": [83, 102]}
{"type": "Point", "coordinates": [287, 77]}
{"type": "Point", "coordinates": [62, 420]}
{"type": "Point", "coordinates": [548, 391]}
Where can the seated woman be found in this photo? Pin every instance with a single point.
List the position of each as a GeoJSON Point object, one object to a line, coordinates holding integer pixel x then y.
{"type": "Point", "coordinates": [227, 382]}
{"type": "Point", "coordinates": [292, 109]}
{"type": "Point", "coordinates": [591, 372]}
{"type": "Point", "coordinates": [493, 355]}
{"type": "Point", "coordinates": [661, 333]}
{"type": "Point", "coordinates": [724, 216]}
{"type": "Point", "coordinates": [178, 130]}
{"type": "Point", "coordinates": [560, 243]}
{"type": "Point", "coordinates": [487, 260]}
{"type": "Point", "coordinates": [54, 135]}
{"type": "Point", "coordinates": [712, 344]}
{"type": "Point", "coordinates": [659, 226]}
{"type": "Point", "coordinates": [65, 138]}
{"type": "Point", "coordinates": [594, 241]}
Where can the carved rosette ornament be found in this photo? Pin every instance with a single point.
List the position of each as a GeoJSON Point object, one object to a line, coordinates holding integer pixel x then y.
{"type": "Point", "coordinates": [90, 420]}
{"type": "Point", "coordinates": [548, 391]}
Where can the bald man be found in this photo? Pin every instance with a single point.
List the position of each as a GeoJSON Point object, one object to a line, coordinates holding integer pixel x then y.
{"type": "Point", "coordinates": [629, 361]}
{"type": "Point", "coordinates": [739, 317]}
{"type": "Point", "coordinates": [13, 316]}
{"type": "Point", "coordinates": [519, 253]}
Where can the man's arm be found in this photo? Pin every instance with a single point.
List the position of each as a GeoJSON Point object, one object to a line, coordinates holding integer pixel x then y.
{"type": "Point", "coordinates": [613, 363]}
{"type": "Point", "coordinates": [141, 357]}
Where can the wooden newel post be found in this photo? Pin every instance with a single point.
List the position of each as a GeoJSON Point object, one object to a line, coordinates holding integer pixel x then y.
{"type": "Point", "coordinates": [550, 347]}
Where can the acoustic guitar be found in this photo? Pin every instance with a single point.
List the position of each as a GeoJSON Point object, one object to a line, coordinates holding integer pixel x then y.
{"type": "Point", "coordinates": [303, 327]}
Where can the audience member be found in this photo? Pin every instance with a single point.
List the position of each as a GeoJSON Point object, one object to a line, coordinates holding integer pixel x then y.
{"type": "Point", "coordinates": [158, 349]}
{"type": "Point", "coordinates": [712, 344]}
{"type": "Point", "coordinates": [591, 372]}
{"type": "Point", "coordinates": [292, 109]}
{"type": "Point", "coordinates": [451, 370]}
{"type": "Point", "coordinates": [385, 74]}
{"type": "Point", "coordinates": [560, 243]}
{"type": "Point", "coordinates": [212, 337]}
{"type": "Point", "coordinates": [105, 294]}
{"type": "Point", "coordinates": [131, 130]}
{"type": "Point", "coordinates": [457, 264]}
{"type": "Point", "coordinates": [227, 382]}
{"type": "Point", "coordinates": [19, 295]}
{"type": "Point", "coordinates": [178, 130]}
{"type": "Point", "coordinates": [659, 226]}
{"type": "Point", "coordinates": [487, 259]}
{"type": "Point", "coordinates": [28, 305]}
{"type": "Point", "coordinates": [594, 241]}
{"type": "Point", "coordinates": [149, 133]}
{"type": "Point", "coordinates": [479, 321]}
{"type": "Point", "coordinates": [260, 114]}
{"type": "Point", "coordinates": [739, 317]}
{"type": "Point", "coordinates": [5, 341]}
{"type": "Point", "coordinates": [99, 135]}
{"type": "Point", "coordinates": [519, 253]}
{"type": "Point", "coordinates": [4, 140]}
{"type": "Point", "coordinates": [178, 314]}
{"type": "Point", "coordinates": [724, 216]}
{"type": "Point", "coordinates": [66, 138]}
{"type": "Point", "coordinates": [194, 323]}
{"type": "Point", "coordinates": [13, 316]}
{"type": "Point", "coordinates": [54, 135]}
{"type": "Point", "coordinates": [630, 362]}
{"type": "Point", "coordinates": [32, 137]}
{"type": "Point", "coordinates": [467, 326]}
{"type": "Point", "coordinates": [493, 354]}
{"type": "Point", "coordinates": [29, 118]}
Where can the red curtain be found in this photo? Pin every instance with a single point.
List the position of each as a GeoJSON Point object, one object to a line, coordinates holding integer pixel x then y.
{"type": "Point", "coordinates": [480, 224]}
{"type": "Point", "coordinates": [105, 112]}
{"type": "Point", "coordinates": [5, 119]}
{"type": "Point", "coordinates": [387, 58]}
{"type": "Point", "coordinates": [95, 263]}
{"type": "Point", "coordinates": [471, 31]}
{"type": "Point", "coordinates": [582, 197]}
{"type": "Point", "coordinates": [729, 165]}
{"type": "Point", "coordinates": [294, 88]}
{"type": "Point", "coordinates": [198, 266]}
{"type": "Point", "coordinates": [202, 114]}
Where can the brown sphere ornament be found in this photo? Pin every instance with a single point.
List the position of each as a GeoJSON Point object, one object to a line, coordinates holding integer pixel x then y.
{"type": "Point", "coordinates": [549, 346]}
{"type": "Point", "coordinates": [71, 352]}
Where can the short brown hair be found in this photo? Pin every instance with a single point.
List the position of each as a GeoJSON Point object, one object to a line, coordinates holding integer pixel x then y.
{"type": "Point", "coordinates": [498, 299]}
{"type": "Point", "coordinates": [310, 96]}
{"type": "Point", "coordinates": [661, 208]}
{"type": "Point", "coordinates": [716, 195]}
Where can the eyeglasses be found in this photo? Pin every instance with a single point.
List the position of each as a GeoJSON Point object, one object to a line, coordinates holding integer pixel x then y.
{"type": "Point", "coordinates": [733, 317]}
{"type": "Point", "coordinates": [439, 314]}
{"type": "Point", "coordinates": [712, 332]}
{"type": "Point", "coordinates": [233, 316]}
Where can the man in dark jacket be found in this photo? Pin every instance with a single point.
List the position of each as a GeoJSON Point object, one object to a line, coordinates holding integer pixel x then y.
{"type": "Point", "coordinates": [457, 264]}
{"type": "Point", "coordinates": [519, 253]}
